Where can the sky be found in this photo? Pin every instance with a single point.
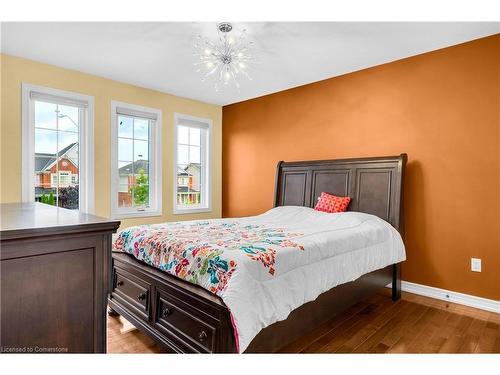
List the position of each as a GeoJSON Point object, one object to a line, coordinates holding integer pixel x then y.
{"type": "Point", "coordinates": [47, 137]}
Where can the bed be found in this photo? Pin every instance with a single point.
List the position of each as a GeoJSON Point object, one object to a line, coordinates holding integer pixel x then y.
{"type": "Point", "coordinates": [293, 270]}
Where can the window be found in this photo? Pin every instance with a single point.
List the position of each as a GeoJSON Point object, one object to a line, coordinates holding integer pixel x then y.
{"type": "Point", "coordinates": [54, 180]}
{"type": "Point", "coordinates": [192, 192]}
{"type": "Point", "coordinates": [57, 145]}
{"type": "Point", "coordinates": [136, 161]}
{"type": "Point", "coordinates": [64, 179]}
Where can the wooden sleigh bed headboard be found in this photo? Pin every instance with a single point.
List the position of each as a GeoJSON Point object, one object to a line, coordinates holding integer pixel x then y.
{"type": "Point", "coordinates": [375, 184]}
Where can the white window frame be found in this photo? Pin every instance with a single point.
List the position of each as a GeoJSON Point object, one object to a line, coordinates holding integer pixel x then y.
{"type": "Point", "coordinates": [206, 159]}
{"type": "Point", "coordinates": [155, 171]}
{"type": "Point", "coordinates": [85, 143]}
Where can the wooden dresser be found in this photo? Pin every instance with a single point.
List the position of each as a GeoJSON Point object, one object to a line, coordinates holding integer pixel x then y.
{"type": "Point", "coordinates": [54, 279]}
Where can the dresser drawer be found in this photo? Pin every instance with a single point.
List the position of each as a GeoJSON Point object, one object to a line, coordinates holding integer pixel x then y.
{"type": "Point", "coordinates": [132, 290]}
{"type": "Point", "coordinates": [181, 321]}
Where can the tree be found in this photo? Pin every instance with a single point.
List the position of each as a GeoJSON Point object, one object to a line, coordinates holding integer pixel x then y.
{"type": "Point", "coordinates": [50, 199]}
{"type": "Point", "coordinates": [68, 197]}
{"type": "Point", "coordinates": [141, 189]}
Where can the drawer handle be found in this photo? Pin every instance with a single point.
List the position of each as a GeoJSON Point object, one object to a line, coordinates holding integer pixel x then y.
{"type": "Point", "coordinates": [202, 336]}
{"type": "Point", "coordinates": [120, 283]}
{"type": "Point", "coordinates": [166, 312]}
{"type": "Point", "coordinates": [141, 297]}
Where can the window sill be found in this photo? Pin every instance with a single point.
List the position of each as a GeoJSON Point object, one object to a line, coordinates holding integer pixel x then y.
{"type": "Point", "coordinates": [194, 210]}
{"type": "Point", "coordinates": [135, 214]}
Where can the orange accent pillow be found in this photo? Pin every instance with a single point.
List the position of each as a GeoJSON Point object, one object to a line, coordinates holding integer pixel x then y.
{"type": "Point", "coordinates": [331, 203]}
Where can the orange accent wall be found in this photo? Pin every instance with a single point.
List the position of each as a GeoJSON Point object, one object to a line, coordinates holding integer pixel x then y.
{"type": "Point", "coordinates": [442, 108]}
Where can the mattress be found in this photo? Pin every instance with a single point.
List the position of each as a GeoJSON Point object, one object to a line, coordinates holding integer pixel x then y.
{"type": "Point", "coordinates": [263, 267]}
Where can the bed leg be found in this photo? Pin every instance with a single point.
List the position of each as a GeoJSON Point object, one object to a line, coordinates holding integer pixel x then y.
{"type": "Point", "coordinates": [396, 281]}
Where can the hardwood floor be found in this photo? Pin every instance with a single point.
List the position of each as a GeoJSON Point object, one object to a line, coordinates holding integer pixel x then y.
{"type": "Point", "coordinates": [414, 324]}
{"type": "Point", "coordinates": [133, 341]}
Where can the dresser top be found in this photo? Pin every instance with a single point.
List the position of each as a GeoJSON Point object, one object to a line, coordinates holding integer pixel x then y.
{"type": "Point", "coordinates": [31, 219]}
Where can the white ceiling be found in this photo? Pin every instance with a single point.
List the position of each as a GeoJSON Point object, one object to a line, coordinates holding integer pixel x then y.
{"type": "Point", "coordinates": [159, 55]}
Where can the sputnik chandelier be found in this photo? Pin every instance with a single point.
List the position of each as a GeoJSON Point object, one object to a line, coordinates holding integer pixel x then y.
{"type": "Point", "coordinates": [224, 60]}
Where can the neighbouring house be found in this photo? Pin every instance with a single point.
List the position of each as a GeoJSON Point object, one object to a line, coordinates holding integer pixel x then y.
{"type": "Point", "coordinates": [127, 176]}
{"type": "Point", "coordinates": [53, 171]}
{"type": "Point", "coordinates": [188, 184]}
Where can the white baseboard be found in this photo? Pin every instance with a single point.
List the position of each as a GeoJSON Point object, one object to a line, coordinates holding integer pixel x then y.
{"type": "Point", "coordinates": [450, 296]}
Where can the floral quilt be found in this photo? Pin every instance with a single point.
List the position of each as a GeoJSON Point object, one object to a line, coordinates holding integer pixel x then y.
{"type": "Point", "coordinates": [204, 252]}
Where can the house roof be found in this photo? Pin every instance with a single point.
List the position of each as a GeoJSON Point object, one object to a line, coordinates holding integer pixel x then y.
{"type": "Point", "coordinates": [41, 160]}
{"type": "Point", "coordinates": [184, 171]}
{"type": "Point", "coordinates": [44, 161]}
{"type": "Point", "coordinates": [136, 165]}
{"type": "Point", "coordinates": [194, 165]}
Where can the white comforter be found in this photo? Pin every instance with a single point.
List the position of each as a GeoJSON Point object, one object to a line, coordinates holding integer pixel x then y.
{"type": "Point", "coordinates": [338, 248]}
{"type": "Point", "coordinates": [271, 263]}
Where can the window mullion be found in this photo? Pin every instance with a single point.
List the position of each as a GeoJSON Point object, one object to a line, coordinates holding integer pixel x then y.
{"type": "Point", "coordinates": [189, 158]}
{"type": "Point", "coordinates": [151, 153]}
{"type": "Point", "coordinates": [82, 199]}
{"type": "Point", "coordinates": [202, 168]}
{"type": "Point", "coordinates": [57, 155]}
{"type": "Point", "coordinates": [134, 182]}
